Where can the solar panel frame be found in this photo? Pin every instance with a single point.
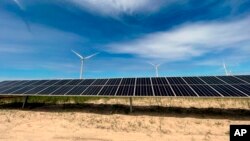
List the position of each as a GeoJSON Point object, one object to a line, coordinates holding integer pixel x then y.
{"type": "Point", "coordinates": [203, 86]}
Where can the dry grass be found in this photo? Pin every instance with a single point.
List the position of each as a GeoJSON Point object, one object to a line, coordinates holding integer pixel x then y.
{"type": "Point", "coordinates": [108, 120]}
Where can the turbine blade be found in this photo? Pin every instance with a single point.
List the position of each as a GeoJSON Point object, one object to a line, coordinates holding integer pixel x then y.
{"type": "Point", "coordinates": [19, 4]}
{"type": "Point", "coordinates": [151, 64]}
{"type": "Point", "coordinates": [22, 14]}
{"type": "Point", "coordinates": [77, 54]}
{"type": "Point", "coordinates": [90, 56]}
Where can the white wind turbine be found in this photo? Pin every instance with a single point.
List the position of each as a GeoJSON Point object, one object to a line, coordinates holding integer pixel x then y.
{"type": "Point", "coordinates": [225, 68]}
{"type": "Point", "coordinates": [82, 60]}
{"type": "Point", "coordinates": [156, 66]}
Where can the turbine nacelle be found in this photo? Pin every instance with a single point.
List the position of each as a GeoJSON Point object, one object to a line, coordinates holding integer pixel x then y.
{"type": "Point", "coordinates": [156, 66]}
{"type": "Point", "coordinates": [82, 60]}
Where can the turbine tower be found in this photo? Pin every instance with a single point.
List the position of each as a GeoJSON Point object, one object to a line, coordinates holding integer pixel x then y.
{"type": "Point", "coordinates": [156, 66]}
{"type": "Point", "coordinates": [82, 60]}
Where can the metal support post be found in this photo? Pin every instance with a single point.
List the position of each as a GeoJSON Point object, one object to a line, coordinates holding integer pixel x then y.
{"type": "Point", "coordinates": [25, 101]}
{"type": "Point", "coordinates": [131, 104]}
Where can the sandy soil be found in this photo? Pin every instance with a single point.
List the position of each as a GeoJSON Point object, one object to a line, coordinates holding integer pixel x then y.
{"type": "Point", "coordinates": [55, 122]}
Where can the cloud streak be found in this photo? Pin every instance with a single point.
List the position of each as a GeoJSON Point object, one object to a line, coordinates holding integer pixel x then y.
{"type": "Point", "coordinates": [188, 41]}
{"type": "Point", "coordinates": [118, 7]}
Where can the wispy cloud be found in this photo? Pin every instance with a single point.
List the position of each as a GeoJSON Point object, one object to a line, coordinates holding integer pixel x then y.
{"type": "Point", "coordinates": [189, 41]}
{"type": "Point", "coordinates": [117, 7]}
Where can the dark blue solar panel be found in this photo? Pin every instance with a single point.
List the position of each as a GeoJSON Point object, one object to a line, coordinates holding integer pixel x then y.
{"type": "Point", "coordinates": [159, 81]}
{"type": "Point", "coordinates": [127, 90]}
{"type": "Point", "coordinates": [244, 77]}
{"type": "Point", "coordinates": [211, 80]}
{"type": "Point", "coordinates": [143, 81]}
{"type": "Point", "coordinates": [77, 90]}
{"type": "Point", "coordinates": [113, 82]}
{"type": "Point", "coordinates": [108, 90]}
{"type": "Point", "coordinates": [92, 90]}
{"type": "Point", "coordinates": [35, 90]}
{"type": "Point", "coordinates": [162, 90]}
{"type": "Point", "coordinates": [193, 80]}
{"type": "Point", "coordinates": [100, 82]}
{"type": "Point", "coordinates": [183, 90]}
{"type": "Point", "coordinates": [128, 81]}
{"type": "Point", "coordinates": [244, 88]}
{"type": "Point", "coordinates": [228, 91]}
{"type": "Point", "coordinates": [176, 81]}
{"type": "Point", "coordinates": [87, 82]}
{"type": "Point", "coordinates": [204, 90]}
{"type": "Point", "coordinates": [231, 80]}
{"type": "Point", "coordinates": [143, 91]}
{"type": "Point", "coordinates": [49, 90]}
{"type": "Point", "coordinates": [63, 90]}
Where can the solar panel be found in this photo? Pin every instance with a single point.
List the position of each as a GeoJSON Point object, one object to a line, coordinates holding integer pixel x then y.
{"type": "Point", "coordinates": [163, 90]}
{"type": "Point", "coordinates": [204, 86]}
{"type": "Point", "coordinates": [211, 80]}
{"type": "Point", "coordinates": [143, 91]}
{"type": "Point", "coordinates": [143, 81]}
{"type": "Point", "coordinates": [231, 80]}
{"type": "Point", "coordinates": [31, 82]}
{"type": "Point", "coordinates": [125, 91]}
{"type": "Point", "coordinates": [62, 90]}
{"type": "Point", "coordinates": [77, 90]}
{"type": "Point", "coordinates": [87, 82]}
{"type": "Point", "coordinates": [128, 81]}
{"type": "Point", "coordinates": [244, 77]}
{"type": "Point", "coordinates": [113, 82]}
{"type": "Point", "coordinates": [205, 90]}
{"type": "Point", "coordinates": [11, 89]}
{"type": "Point", "coordinates": [183, 90]}
{"type": "Point", "coordinates": [176, 81]}
{"type": "Point", "coordinates": [244, 88]}
{"type": "Point", "coordinates": [100, 82]}
{"type": "Point", "coordinates": [63, 82]}
{"type": "Point", "coordinates": [51, 82]}
{"type": "Point", "coordinates": [193, 80]}
{"type": "Point", "coordinates": [74, 82]}
{"type": "Point", "coordinates": [108, 90]}
{"type": "Point", "coordinates": [228, 91]}
{"type": "Point", "coordinates": [49, 90]}
{"type": "Point", "coordinates": [21, 90]}
{"type": "Point", "coordinates": [40, 82]}
{"type": "Point", "coordinates": [159, 81]}
{"type": "Point", "coordinates": [35, 89]}
{"type": "Point", "coordinates": [92, 90]}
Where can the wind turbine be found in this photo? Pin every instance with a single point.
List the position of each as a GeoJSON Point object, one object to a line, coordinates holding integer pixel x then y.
{"type": "Point", "coordinates": [156, 66]}
{"type": "Point", "coordinates": [225, 68]}
{"type": "Point", "coordinates": [82, 60]}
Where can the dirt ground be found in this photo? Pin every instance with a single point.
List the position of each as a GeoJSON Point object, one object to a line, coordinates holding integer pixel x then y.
{"type": "Point", "coordinates": [109, 120]}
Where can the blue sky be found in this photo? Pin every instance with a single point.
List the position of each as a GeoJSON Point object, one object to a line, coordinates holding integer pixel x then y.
{"type": "Point", "coordinates": [188, 37]}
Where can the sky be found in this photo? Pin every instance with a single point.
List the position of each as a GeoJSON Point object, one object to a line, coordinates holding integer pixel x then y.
{"type": "Point", "coordinates": [187, 37]}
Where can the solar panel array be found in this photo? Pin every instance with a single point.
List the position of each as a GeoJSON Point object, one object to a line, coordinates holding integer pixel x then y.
{"type": "Point", "coordinates": [205, 86]}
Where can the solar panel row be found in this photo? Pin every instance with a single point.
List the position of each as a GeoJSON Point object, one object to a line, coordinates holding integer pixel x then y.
{"type": "Point", "coordinates": [219, 86]}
